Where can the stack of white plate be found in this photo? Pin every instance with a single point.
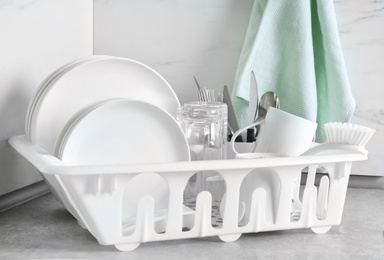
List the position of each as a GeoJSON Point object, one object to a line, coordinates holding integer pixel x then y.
{"type": "Point", "coordinates": [106, 110]}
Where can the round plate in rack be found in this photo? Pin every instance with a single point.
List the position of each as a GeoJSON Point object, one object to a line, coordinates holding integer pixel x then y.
{"type": "Point", "coordinates": [45, 84]}
{"type": "Point", "coordinates": [122, 132]}
{"type": "Point", "coordinates": [91, 82]}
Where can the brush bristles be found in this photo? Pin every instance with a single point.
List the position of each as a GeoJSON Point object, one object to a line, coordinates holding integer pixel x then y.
{"type": "Point", "coordinates": [347, 133]}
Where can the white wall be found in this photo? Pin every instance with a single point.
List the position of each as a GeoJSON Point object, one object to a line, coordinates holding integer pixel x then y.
{"type": "Point", "coordinates": [36, 37]}
{"type": "Point", "coordinates": [361, 27]}
{"type": "Point", "coordinates": [180, 39]}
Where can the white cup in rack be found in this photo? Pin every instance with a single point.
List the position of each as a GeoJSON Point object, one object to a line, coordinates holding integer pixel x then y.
{"type": "Point", "coordinates": [282, 133]}
{"type": "Point", "coordinates": [285, 133]}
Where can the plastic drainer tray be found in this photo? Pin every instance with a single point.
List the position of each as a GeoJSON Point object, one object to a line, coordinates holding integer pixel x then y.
{"type": "Point", "coordinates": [260, 195]}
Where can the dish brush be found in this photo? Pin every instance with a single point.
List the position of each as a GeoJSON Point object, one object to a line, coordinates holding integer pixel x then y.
{"type": "Point", "coordinates": [347, 133]}
{"type": "Point", "coordinates": [344, 136]}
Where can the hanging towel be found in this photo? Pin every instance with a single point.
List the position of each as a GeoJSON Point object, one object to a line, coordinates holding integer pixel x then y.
{"type": "Point", "coordinates": [294, 49]}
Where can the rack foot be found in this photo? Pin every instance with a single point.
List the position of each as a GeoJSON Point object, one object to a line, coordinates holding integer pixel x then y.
{"type": "Point", "coordinates": [321, 230]}
{"type": "Point", "coordinates": [127, 247]}
{"type": "Point", "coordinates": [230, 238]}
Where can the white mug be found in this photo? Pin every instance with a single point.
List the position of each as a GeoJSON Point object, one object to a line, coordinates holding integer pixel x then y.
{"type": "Point", "coordinates": [282, 133]}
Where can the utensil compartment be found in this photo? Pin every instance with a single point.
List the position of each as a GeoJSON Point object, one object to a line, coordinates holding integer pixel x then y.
{"type": "Point", "coordinates": [118, 206]}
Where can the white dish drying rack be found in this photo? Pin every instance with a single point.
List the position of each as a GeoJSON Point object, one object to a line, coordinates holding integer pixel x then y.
{"type": "Point", "coordinates": [93, 194]}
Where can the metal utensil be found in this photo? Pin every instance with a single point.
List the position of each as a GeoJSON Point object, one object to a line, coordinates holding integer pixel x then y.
{"type": "Point", "coordinates": [220, 97]}
{"type": "Point", "coordinates": [200, 92]}
{"type": "Point", "coordinates": [268, 99]}
{"type": "Point", "coordinates": [205, 95]}
{"type": "Point", "coordinates": [252, 107]}
{"type": "Point", "coordinates": [253, 99]}
{"type": "Point", "coordinates": [233, 126]}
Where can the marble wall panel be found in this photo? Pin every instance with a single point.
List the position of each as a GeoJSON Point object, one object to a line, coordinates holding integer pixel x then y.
{"type": "Point", "coordinates": [179, 39]}
{"type": "Point", "coordinates": [182, 39]}
{"type": "Point", "coordinates": [361, 27]}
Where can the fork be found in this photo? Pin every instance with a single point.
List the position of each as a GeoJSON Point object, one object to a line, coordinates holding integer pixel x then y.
{"type": "Point", "coordinates": [205, 95]}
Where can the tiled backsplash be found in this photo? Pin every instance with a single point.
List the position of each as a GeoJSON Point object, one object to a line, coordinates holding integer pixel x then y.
{"type": "Point", "coordinates": [179, 39]}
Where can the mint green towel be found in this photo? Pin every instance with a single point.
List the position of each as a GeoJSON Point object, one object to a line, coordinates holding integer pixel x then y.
{"type": "Point", "coordinates": [294, 49]}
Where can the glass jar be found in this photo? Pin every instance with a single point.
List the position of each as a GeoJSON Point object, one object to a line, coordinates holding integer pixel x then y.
{"type": "Point", "coordinates": [205, 127]}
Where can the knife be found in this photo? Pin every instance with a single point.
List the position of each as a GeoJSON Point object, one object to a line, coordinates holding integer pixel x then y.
{"type": "Point", "coordinates": [232, 121]}
{"type": "Point", "coordinates": [253, 99]}
{"type": "Point", "coordinates": [253, 104]}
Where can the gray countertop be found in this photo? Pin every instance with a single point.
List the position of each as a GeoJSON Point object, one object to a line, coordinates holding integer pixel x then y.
{"type": "Point", "coordinates": [42, 228]}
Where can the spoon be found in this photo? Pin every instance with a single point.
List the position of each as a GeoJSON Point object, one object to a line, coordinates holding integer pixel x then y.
{"type": "Point", "coordinates": [268, 99]}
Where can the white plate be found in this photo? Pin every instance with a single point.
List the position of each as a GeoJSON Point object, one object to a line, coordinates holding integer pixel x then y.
{"type": "Point", "coordinates": [45, 84]}
{"type": "Point", "coordinates": [91, 82]}
{"type": "Point", "coordinates": [122, 132]}
{"type": "Point", "coordinates": [74, 120]}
